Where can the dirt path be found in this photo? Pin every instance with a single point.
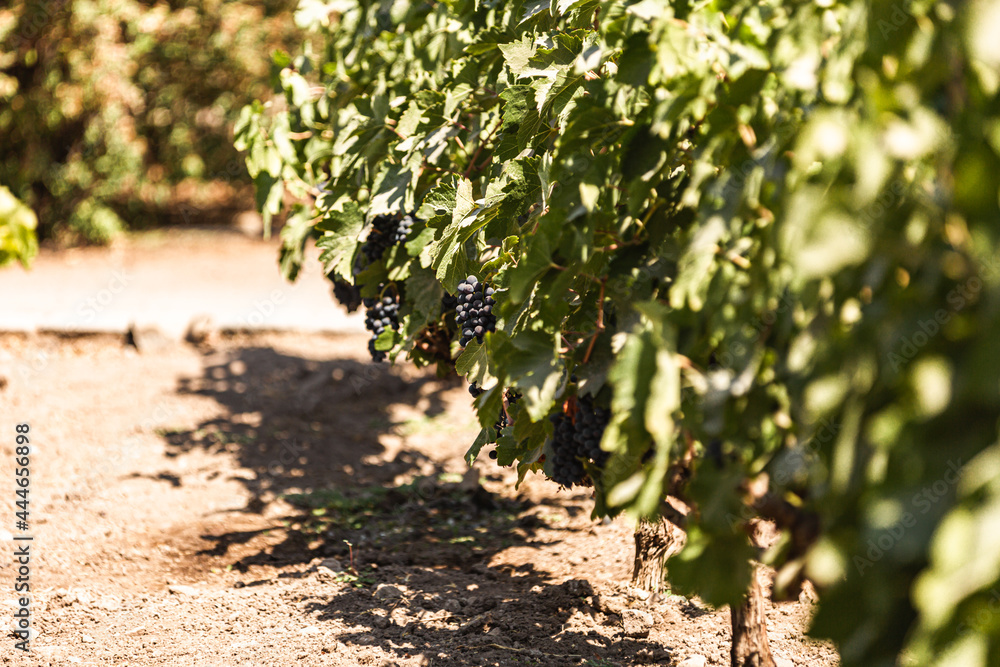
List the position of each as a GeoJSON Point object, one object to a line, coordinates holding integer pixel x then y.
{"type": "Point", "coordinates": [166, 279]}
{"type": "Point", "coordinates": [169, 509]}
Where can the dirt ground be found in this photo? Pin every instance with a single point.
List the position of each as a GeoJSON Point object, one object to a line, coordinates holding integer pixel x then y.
{"type": "Point", "coordinates": [277, 499]}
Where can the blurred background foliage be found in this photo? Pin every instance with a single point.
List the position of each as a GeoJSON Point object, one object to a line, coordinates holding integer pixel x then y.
{"type": "Point", "coordinates": [118, 114]}
{"type": "Point", "coordinates": [17, 230]}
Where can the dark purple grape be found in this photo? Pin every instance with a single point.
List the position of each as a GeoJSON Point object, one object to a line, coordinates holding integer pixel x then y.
{"type": "Point", "coordinates": [386, 231]}
{"type": "Point", "coordinates": [381, 314]}
{"type": "Point", "coordinates": [578, 439]}
{"type": "Point", "coordinates": [474, 313]}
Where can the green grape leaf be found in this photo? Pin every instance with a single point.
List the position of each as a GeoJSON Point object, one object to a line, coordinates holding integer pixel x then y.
{"type": "Point", "coordinates": [340, 240]}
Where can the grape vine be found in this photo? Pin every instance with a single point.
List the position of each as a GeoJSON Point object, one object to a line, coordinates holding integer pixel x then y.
{"type": "Point", "coordinates": [761, 235]}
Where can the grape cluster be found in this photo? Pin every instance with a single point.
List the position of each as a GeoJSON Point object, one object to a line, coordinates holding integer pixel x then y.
{"type": "Point", "coordinates": [578, 438]}
{"type": "Point", "coordinates": [502, 421]}
{"type": "Point", "coordinates": [381, 314]}
{"type": "Point", "coordinates": [567, 469]}
{"type": "Point", "coordinates": [387, 231]}
{"type": "Point", "coordinates": [591, 420]}
{"type": "Point", "coordinates": [474, 312]}
{"type": "Point", "coordinates": [347, 295]}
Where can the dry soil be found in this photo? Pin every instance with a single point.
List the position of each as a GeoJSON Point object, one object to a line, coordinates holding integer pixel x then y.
{"type": "Point", "coordinates": [277, 499]}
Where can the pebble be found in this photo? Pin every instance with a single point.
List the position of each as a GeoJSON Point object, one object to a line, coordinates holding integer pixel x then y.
{"type": "Point", "coordinates": [636, 622]}
{"type": "Point", "coordinates": [452, 605]}
{"type": "Point", "coordinates": [199, 329]}
{"type": "Point", "coordinates": [578, 587]}
{"type": "Point", "coordinates": [87, 639]}
{"type": "Point", "coordinates": [638, 593]}
{"type": "Point", "coordinates": [608, 604]}
{"type": "Point", "coordinates": [783, 662]}
{"type": "Point", "coordinates": [473, 623]}
{"type": "Point", "coordinates": [148, 339]}
{"type": "Point", "coordinates": [388, 591]}
{"type": "Point", "coordinates": [109, 603]}
{"type": "Point", "coordinates": [79, 597]}
{"type": "Point", "coordinates": [693, 661]}
{"type": "Point", "coordinates": [333, 564]}
{"type": "Point", "coordinates": [178, 589]}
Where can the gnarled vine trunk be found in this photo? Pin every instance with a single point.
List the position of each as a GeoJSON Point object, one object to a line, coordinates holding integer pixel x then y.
{"type": "Point", "coordinates": [750, 646]}
{"type": "Point", "coordinates": [655, 542]}
{"type": "Point", "coordinates": [651, 547]}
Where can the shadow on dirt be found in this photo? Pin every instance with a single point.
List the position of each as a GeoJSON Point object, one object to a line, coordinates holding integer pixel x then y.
{"type": "Point", "coordinates": [484, 616]}
{"type": "Point", "coordinates": [298, 423]}
{"type": "Point", "coordinates": [408, 571]}
{"type": "Point", "coordinates": [423, 585]}
{"type": "Point", "coordinates": [404, 566]}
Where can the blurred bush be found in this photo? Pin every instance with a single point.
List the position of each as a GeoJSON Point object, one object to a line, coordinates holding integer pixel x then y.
{"type": "Point", "coordinates": [17, 230]}
{"type": "Point", "coordinates": [118, 113]}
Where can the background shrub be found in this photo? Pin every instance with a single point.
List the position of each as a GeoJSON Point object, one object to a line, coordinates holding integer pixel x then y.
{"type": "Point", "coordinates": [118, 114]}
{"type": "Point", "coordinates": [17, 230]}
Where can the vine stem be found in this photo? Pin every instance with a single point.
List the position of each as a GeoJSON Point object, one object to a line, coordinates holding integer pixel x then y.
{"type": "Point", "coordinates": [649, 213]}
{"type": "Point", "coordinates": [600, 323]}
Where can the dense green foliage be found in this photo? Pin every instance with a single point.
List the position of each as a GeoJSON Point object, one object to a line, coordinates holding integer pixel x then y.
{"type": "Point", "coordinates": [762, 233]}
{"type": "Point", "coordinates": [111, 112]}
